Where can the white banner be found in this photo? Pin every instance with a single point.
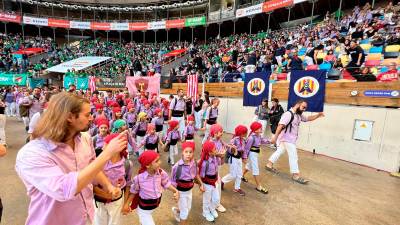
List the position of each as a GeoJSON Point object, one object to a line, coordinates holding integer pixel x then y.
{"type": "Point", "coordinates": [213, 16]}
{"type": "Point", "coordinates": [36, 21]}
{"type": "Point", "coordinates": [299, 1]}
{"type": "Point", "coordinates": [80, 25]}
{"type": "Point", "coordinates": [78, 64]}
{"type": "Point", "coordinates": [248, 11]}
{"type": "Point", "coordinates": [157, 25]}
{"type": "Point", "coordinates": [119, 26]}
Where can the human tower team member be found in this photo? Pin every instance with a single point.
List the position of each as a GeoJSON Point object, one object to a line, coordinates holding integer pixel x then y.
{"type": "Point", "coordinates": [177, 110]}
{"type": "Point", "coordinates": [148, 186]}
{"type": "Point", "coordinates": [183, 176]}
{"type": "Point", "coordinates": [59, 165]}
{"type": "Point", "coordinates": [108, 209]}
{"type": "Point", "coordinates": [211, 117]}
{"type": "Point", "coordinates": [286, 136]}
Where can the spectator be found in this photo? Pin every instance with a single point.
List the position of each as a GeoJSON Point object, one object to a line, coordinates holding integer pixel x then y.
{"type": "Point", "coordinates": [391, 75]}
{"type": "Point", "coordinates": [357, 56]}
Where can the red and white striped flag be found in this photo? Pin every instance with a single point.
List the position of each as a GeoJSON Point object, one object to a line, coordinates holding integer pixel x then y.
{"type": "Point", "coordinates": [191, 88]}
{"type": "Point", "coordinates": [92, 83]}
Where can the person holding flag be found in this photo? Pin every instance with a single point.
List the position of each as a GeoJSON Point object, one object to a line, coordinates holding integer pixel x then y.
{"type": "Point", "coordinates": [286, 135]}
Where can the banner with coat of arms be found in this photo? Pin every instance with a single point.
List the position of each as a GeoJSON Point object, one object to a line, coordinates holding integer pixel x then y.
{"type": "Point", "coordinates": [143, 84]}
{"type": "Point", "coordinates": [256, 88]}
{"type": "Point", "coordinates": [310, 86]}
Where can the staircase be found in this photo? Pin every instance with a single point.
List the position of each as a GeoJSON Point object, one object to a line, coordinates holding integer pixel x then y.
{"type": "Point", "coordinates": [173, 64]}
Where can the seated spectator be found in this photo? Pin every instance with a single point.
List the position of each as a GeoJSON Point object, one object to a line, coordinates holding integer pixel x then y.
{"type": "Point", "coordinates": [391, 75]}
{"type": "Point", "coordinates": [330, 57]}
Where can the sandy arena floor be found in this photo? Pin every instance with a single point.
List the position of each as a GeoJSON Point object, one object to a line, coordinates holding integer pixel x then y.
{"type": "Point", "coordinates": [339, 193]}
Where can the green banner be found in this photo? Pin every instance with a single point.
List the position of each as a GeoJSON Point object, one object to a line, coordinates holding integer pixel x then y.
{"type": "Point", "coordinates": [195, 21]}
{"type": "Point", "coordinates": [81, 83]}
{"type": "Point", "coordinates": [7, 79]}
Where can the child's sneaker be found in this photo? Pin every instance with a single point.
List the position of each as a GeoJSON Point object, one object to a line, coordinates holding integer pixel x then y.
{"type": "Point", "coordinates": [208, 217]}
{"type": "Point", "coordinates": [220, 208]}
{"type": "Point", "coordinates": [214, 213]}
{"type": "Point", "coordinates": [239, 191]}
{"type": "Point", "coordinates": [175, 212]}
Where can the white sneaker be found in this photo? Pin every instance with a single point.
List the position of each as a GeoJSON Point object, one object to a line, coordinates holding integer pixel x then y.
{"type": "Point", "coordinates": [175, 212]}
{"type": "Point", "coordinates": [208, 217]}
{"type": "Point", "coordinates": [220, 208]}
{"type": "Point", "coordinates": [214, 213]}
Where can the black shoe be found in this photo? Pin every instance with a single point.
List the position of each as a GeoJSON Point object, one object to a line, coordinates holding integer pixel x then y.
{"type": "Point", "coordinates": [169, 161]}
{"type": "Point", "coordinates": [222, 185]}
{"type": "Point", "coordinates": [26, 129]}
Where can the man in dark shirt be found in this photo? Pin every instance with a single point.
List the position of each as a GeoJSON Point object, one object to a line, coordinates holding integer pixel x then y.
{"type": "Point", "coordinates": [357, 57]}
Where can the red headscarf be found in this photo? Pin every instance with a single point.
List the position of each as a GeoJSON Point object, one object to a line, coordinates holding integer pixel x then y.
{"type": "Point", "coordinates": [107, 140]}
{"type": "Point", "coordinates": [172, 124]}
{"type": "Point", "coordinates": [150, 127]}
{"type": "Point", "coordinates": [145, 102]}
{"type": "Point", "coordinates": [188, 144]}
{"type": "Point", "coordinates": [255, 126]}
{"type": "Point", "coordinates": [239, 131]}
{"type": "Point", "coordinates": [215, 128]}
{"type": "Point", "coordinates": [146, 158]}
{"type": "Point", "coordinates": [98, 106]}
{"type": "Point", "coordinates": [165, 103]}
{"type": "Point", "coordinates": [208, 146]}
{"type": "Point", "coordinates": [116, 109]}
{"type": "Point", "coordinates": [102, 122]}
{"type": "Point", "coordinates": [190, 118]}
{"type": "Point", "coordinates": [130, 106]}
{"type": "Point", "coordinates": [157, 111]}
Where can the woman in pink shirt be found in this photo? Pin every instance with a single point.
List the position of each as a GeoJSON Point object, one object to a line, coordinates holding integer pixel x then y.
{"type": "Point", "coordinates": [59, 165]}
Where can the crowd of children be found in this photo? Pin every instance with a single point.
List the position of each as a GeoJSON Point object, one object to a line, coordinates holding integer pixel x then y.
{"type": "Point", "coordinates": [152, 129]}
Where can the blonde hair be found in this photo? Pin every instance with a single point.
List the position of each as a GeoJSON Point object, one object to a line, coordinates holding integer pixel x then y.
{"type": "Point", "coordinates": [53, 124]}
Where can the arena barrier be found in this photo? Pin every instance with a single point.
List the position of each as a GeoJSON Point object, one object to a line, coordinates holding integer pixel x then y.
{"type": "Point", "coordinates": [333, 135]}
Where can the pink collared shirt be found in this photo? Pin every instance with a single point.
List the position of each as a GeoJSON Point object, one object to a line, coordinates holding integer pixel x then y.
{"type": "Point", "coordinates": [50, 173]}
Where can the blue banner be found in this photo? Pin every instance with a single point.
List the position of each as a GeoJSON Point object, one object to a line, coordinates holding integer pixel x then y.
{"type": "Point", "coordinates": [310, 86]}
{"type": "Point", "coordinates": [256, 88]}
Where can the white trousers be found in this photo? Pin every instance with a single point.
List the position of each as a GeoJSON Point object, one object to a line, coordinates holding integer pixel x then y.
{"type": "Point", "coordinates": [108, 213]}
{"type": "Point", "coordinates": [2, 129]}
{"type": "Point", "coordinates": [292, 154]}
{"type": "Point", "coordinates": [145, 217]}
{"type": "Point", "coordinates": [235, 173]}
{"type": "Point", "coordinates": [10, 109]}
{"type": "Point", "coordinates": [138, 142]}
{"type": "Point", "coordinates": [197, 119]}
{"type": "Point", "coordinates": [181, 121]}
{"type": "Point", "coordinates": [173, 151]}
{"type": "Point", "coordinates": [210, 198]}
{"type": "Point", "coordinates": [264, 124]}
{"type": "Point", "coordinates": [252, 163]}
{"type": "Point", "coordinates": [184, 204]}
{"type": "Point", "coordinates": [26, 121]}
{"type": "Point", "coordinates": [206, 133]}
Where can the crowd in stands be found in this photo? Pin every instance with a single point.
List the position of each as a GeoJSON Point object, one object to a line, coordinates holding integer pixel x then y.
{"type": "Point", "coordinates": [363, 42]}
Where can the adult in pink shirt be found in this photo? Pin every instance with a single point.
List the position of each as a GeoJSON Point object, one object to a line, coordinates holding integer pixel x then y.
{"type": "Point", "coordinates": [59, 165]}
{"type": "Point", "coordinates": [286, 136]}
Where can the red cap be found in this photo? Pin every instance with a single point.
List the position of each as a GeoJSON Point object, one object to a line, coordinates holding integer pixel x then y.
{"type": "Point", "coordinates": [190, 118]}
{"type": "Point", "coordinates": [150, 127]}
